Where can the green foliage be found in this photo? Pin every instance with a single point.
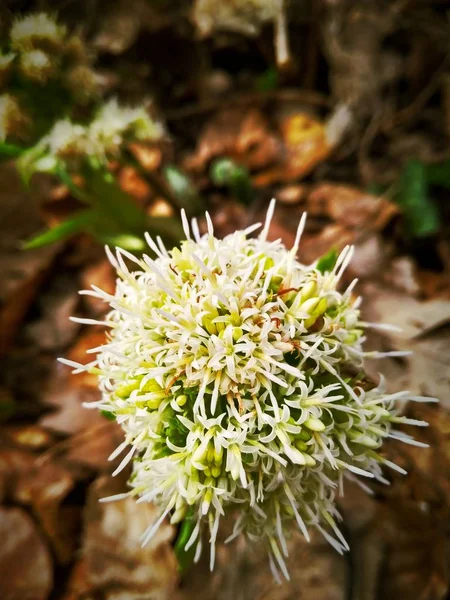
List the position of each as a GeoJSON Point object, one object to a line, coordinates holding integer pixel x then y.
{"type": "Point", "coordinates": [268, 80]}
{"type": "Point", "coordinates": [185, 557]}
{"type": "Point", "coordinates": [227, 173]}
{"type": "Point", "coordinates": [420, 212]}
{"type": "Point", "coordinates": [113, 218]}
{"type": "Point", "coordinates": [183, 190]}
{"type": "Point", "coordinates": [108, 415]}
{"type": "Point", "coordinates": [327, 261]}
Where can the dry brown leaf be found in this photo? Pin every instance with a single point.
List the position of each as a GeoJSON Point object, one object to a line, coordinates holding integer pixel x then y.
{"type": "Point", "coordinates": [102, 275]}
{"type": "Point", "coordinates": [25, 563]}
{"type": "Point", "coordinates": [350, 206]}
{"type": "Point", "coordinates": [242, 571]}
{"type": "Point", "coordinates": [117, 565]}
{"type": "Point", "coordinates": [53, 330]}
{"type": "Point", "coordinates": [305, 144]}
{"type": "Point", "coordinates": [133, 184]}
{"type": "Point", "coordinates": [425, 331]}
{"type": "Point", "coordinates": [239, 133]}
{"type": "Point", "coordinates": [92, 447]}
{"type": "Point", "coordinates": [66, 395]}
{"type": "Point", "coordinates": [21, 273]}
{"type": "Point", "coordinates": [149, 157]}
{"type": "Point", "coordinates": [14, 465]}
{"type": "Point", "coordinates": [46, 487]}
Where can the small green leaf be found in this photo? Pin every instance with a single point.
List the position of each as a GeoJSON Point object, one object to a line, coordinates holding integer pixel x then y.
{"type": "Point", "coordinates": [268, 80]}
{"type": "Point", "coordinates": [225, 172]}
{"type": "Point", "coordinates": [10, 150]}
{"type": "Point", "coordinates": [62, 231]}
{"type": "Point", "coordinates": [32, 161]}
{"type": "Point", "coordinates": [420, 213]}
{"type": "Point", "coordinates": [326, 263]}
{"type": "Point", "coordinates": [184, 191]}
{"type": "Point", "coordinates": [108, 415]}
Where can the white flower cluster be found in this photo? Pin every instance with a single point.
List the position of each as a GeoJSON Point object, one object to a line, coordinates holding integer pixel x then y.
{"type": "Point", "coordinates": [103, 138]}
{"type": "Point", "coordinates": [36, 30]}
{"type": "Point", "coordinates": [39, 49]}
{"type": "Point", "coordinates": [236, 374]}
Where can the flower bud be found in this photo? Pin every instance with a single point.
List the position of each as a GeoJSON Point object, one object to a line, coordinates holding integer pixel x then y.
{"type": "Point", "coordinates": [314, 424]}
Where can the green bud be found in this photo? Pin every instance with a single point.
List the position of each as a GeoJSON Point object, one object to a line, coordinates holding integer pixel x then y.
{"type": "Point", "coordinates": [308, 291]}
{"type": "Point", "coordinates": [181, 400]}
{"type": "Point", "coordinates": [310, 305]}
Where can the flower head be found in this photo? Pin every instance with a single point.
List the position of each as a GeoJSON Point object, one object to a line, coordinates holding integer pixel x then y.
{"type": "Point", "coordinates": [103, 138]}
{"type": "Point", "coordinates": [115, 124]}
{"type": "Point", "coordinates": [37, 65]}
{"type": "Point", "coordinates": [36, 31]}
{"type": "Point", "coordinates": [236, 374]}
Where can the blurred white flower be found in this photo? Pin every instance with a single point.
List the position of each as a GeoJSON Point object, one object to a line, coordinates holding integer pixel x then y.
{"type": "Point", "coordinates": [35, 30]}
{"type": "Point", "coordinates": [37, 65]}
{"type": "Point", "coordinates": [236, 374]}
{"type": "Point", "coordinates": [115, 123]}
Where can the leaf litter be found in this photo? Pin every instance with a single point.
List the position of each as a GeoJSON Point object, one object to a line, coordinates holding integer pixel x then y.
{"type": "Point", "coordinates": [373, 173]}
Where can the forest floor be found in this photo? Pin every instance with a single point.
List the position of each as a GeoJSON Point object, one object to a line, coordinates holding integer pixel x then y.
{"type": "Point", "coordinates": [353, 128]}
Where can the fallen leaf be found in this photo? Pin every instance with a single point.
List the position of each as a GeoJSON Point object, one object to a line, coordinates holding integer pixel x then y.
{"type": "Point", "coordinates": [47, 486]}
{"type": "Point", "coordinates": [118, 567]}
{"type": "Point", "coordinates": [350, 206]}
{"type": "Point", "coordinates": [102, 275]}
{"type": "Point", "coordinates": [20, 578]}
{"type": "Point", "coordinates": [239, 133]}
{"type": "Point", "coordinates": [242, 571]}
{"type": "Point", "coordinates": [305, 144]}
{"type": "Point", "coordinates": [53, 330]}
{"type": "Point", "coordinates": [21, 273]}
{"type": "Point", "coordinates": [425, 332]}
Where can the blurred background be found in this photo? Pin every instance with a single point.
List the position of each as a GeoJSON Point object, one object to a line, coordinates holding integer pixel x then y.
{"type": "Point", "coordinates": [114, 116]}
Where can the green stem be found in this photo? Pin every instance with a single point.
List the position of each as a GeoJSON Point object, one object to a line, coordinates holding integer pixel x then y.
{"type": "Point", "coordinates": [10, 150]}
{"type": "Point", "coordinates": [185, 557]}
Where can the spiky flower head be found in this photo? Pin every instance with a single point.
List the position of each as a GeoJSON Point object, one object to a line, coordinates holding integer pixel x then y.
{"type": "Point", "coordinates": [236, 373]}
{"type": "Point", "coordinates": [38, 30]}
{"type": "Point", "coordinates": [115, 124]}
{"type": "Point", "coordinates": [37, 65]}
{"type": "Point", "coordinates": [103, 139]}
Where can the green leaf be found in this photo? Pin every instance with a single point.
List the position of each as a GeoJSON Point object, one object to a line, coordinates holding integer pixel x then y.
{"type": "Point", "coordinates": [28, 162]}
{"type": "Point", "coordinates": [420, 213]}
{"type": "Point", "coordinates": [326, 263]}
{"type": "Point", "coordinates": [185, 557]}
{"type": "Point", "coordinates": [10, 150]}
{"type": "Point", "coordinates": [79, 222]}
{"type": "Point", "coordinates": [225, 172]}
{"type": "Point", "coordinates": [61, 172]}
{"type": "Point", "coordinates": [108, 415]}
{"type": "Point", "coordinates": [268, 80]}
{"type": "Point", "coordinates": [119, 220]}
{"type": "Point", "coordinates": [129, 242]}
{"type": "Point", "coordinates": [183, 190]}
